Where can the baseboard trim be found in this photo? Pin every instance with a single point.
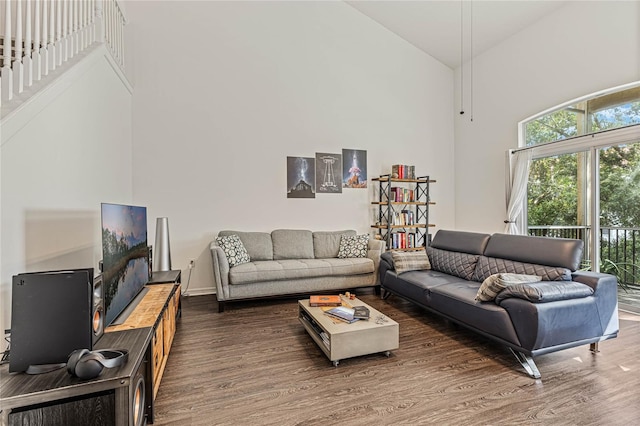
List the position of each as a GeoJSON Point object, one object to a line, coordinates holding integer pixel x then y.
{"type": "Point", "coordinates": [199, 292]}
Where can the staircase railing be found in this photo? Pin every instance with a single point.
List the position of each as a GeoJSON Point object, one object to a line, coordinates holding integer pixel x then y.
{"type": "Point", "coordinates": [39, 36]}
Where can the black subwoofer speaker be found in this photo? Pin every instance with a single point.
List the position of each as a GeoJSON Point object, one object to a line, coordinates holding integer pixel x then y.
{"type": "Point", "coordinates": [52, 314]}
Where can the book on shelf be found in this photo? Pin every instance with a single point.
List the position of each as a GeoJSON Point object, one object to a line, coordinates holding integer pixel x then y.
{"type": "Point", "coordinates": [403, 240]}
{"type": "Point", "coordinates": [404, 217]}
{"type": "Point", "coordinates": [342, 313]}
{"type": "Point", "coordinates": [325, 339]}
{"type": "Point", "coordinates": [407, 217]}
{"type": "Point", "coordinates": [403, 171]}
{"type": "Point", "coordinates": [325, 300]}
{"type": "Point", "coordinates": [402, 195]}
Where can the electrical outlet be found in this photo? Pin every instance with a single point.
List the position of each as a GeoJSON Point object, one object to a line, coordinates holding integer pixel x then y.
{"type": "Point", "coordinates": [192, 263]}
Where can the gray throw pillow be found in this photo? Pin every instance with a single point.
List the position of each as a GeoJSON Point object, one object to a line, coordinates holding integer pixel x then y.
{"type": "Point", "coordinates": [495, 283]}
{"type": "Point", "coordinates": [233, 249]}
{"type": "Point", "coordinates": [410, 261]}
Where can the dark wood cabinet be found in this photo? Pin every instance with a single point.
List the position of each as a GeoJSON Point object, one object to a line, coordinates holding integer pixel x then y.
{"type": "Point", "coordinates": [119, 396]}
{"type": "Point", "coordinates": [56, 398]}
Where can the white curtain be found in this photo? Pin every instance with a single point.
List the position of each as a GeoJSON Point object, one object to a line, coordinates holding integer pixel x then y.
{"type": "Point", "coordinates": [516, 190]}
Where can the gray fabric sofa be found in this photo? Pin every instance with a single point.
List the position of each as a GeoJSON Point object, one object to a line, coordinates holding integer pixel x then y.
{"type": "Point", "coordinates": [567, 308]}
{"type": "Point", "coordinates": [292, 261]}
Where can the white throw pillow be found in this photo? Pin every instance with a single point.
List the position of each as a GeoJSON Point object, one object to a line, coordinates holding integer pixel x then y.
{"type": "Point", "coordinates": [355, 246]}
{"type": "Point", "coordinates": [234, 249]}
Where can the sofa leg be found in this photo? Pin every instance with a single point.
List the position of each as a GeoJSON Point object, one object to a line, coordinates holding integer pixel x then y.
{"type": "Point", "coordinates": [220, 306]}
{"type": "Point", "coordinates": [594, 348]}
{"type": "Point", "coordinates": [384, 294]}
{"type": "Point", "coordinates": [527, 362]}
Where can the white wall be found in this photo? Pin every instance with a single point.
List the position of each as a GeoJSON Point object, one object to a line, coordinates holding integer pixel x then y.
{"type": "Point", "coordinates": [580, 49]}
{"type": "Point", "coordinates": [74, 154]}
{"type": "Point", "coordinates": [220, 104]}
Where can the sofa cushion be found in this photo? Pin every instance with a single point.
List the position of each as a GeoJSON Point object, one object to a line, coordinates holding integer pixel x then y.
{"type": "Point", "coordinates": [461, 241]}
{"type": "Point", "coordinates": [326, 244]}
{"type": "Point", "coordinates": [258, 244]}
{"type": "Point", "coordinates": [292, 269]}
{"type": "Point", "coordinates": [292, 244]}
{"type": "Point", "coordinates": [488, 266]}
{"type": "Point", "coordinates": [410, 261]}
{"type": "Point", "coordinates": [355, 246]}
{"type": "Point", "coordinates": [233, 249]}
{"type": "Point", "coordinates": [495, 283]}
{"type": "Point", "coordinates": [545, 291]}
{"type": "Point", "coordinates": [561, 252]}
{"type": "Point", "coordinates": [461, 265]}
{"type": "Point", "coordinates": [457, 301]}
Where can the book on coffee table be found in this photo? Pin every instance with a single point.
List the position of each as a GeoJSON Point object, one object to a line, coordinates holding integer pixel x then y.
{"type": "Point", "coordinates": [325, 300]}
{"type": "Point", "coordinates": [361, 312]}
{"type": "Point", "coordinates": [342, 313]}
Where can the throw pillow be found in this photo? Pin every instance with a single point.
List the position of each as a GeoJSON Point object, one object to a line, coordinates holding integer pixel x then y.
{"type": "Point", "coordinates": [410, 261]}
{"type": "Point", "coordinates": [355, 246]}
{"type": "Point", "coordinates": [495, 283]}
{"type": "Point", "coordinates": [233, 249]}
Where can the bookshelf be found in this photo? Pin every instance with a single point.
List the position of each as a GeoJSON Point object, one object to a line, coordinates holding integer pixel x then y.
{"type": "Point", "coordinates": [402, 208]}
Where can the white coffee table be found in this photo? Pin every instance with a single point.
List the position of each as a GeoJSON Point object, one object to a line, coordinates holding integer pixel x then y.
{"type": "Point", "coordinates": [341, 340]}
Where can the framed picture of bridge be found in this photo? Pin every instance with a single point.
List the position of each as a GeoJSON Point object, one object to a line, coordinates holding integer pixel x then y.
{"type": "Point", "coordinates": [328, 173]}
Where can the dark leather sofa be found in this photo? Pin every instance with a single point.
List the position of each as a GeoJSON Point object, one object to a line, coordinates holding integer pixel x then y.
{"type": "Point", "coordinates": [567, 308]}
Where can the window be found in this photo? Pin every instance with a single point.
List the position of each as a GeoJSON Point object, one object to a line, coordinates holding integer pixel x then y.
{"type": "Point", "coordinates": [584, 178]}
{"type": "Point", "coordinates": [596, 114]}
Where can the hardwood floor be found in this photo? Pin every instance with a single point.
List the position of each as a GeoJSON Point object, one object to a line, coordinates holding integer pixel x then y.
{"type": "Point", "coordinates": [629, 299]}
{"type": "Point", "coordinates": [254, 364]}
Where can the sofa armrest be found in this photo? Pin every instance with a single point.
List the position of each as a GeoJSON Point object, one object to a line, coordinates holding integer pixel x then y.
{"type": "Point", "coordinates": [599, 282]}
{"type": "Point", "coordinates": [375, 250]}
{"type": "Point", "coordinates": [605, 290]}
{"type": "Point", "coordinates": [220, 271]}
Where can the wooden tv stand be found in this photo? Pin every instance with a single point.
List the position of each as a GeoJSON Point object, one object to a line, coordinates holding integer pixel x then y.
{"type": "Point", "coordinates": [159, 309]}
{"type": "Point", "coordinates": [108, 399]}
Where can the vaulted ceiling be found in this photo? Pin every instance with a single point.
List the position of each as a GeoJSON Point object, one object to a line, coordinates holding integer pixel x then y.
{"type": "Point", "coordinates": [437, 26]}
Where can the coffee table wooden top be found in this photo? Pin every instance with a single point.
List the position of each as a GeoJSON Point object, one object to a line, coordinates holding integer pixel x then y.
{"type": "Point", "coordinates": [337, 327]}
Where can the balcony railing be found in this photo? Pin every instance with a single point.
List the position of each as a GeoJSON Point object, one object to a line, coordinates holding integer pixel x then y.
{"type": "Point", "coordinates": [39, 36]}
{"type": "Point", "coordinates": [618, 246]}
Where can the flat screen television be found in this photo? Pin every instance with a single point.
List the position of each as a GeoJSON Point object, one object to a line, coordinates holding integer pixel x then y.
{"type": "Point", "coordinates": [125, 256]}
